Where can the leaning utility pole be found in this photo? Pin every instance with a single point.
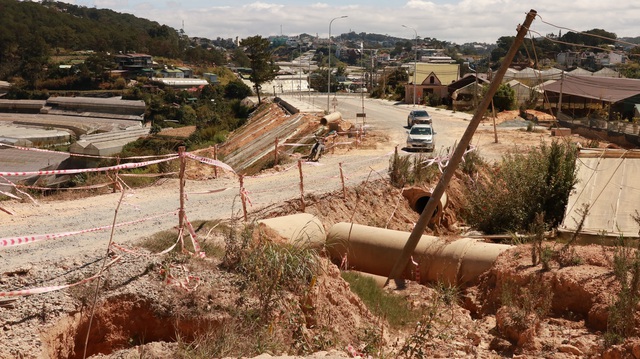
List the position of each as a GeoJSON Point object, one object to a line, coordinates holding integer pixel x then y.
{"type": "Point", "coordinates": [456, 158]}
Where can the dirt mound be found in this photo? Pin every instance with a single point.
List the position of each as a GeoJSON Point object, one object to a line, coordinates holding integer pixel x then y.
{"type": "Point", "coordinates": [535, 306]}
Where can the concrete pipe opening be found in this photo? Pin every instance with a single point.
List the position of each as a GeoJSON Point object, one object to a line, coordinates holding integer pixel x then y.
{"type": "Point", "coordinates": [418, 199]}
{"type": "Point", "coordinates": [333, 117]}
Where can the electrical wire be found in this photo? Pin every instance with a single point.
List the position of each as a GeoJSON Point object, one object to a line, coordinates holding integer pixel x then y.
{"type": "Point", "coordinates": [586, 33]}
{"type": "Point", "coordinates": [572, 44]}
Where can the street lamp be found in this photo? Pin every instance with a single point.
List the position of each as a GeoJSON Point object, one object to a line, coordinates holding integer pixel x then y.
{"type": "Point", "coordinates": [329, 72]}
{"type": "Point", "coordinates": [415, 63]}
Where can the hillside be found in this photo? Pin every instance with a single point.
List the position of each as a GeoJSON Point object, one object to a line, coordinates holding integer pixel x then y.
{"type": "Point", "coordinates": [32, 31]}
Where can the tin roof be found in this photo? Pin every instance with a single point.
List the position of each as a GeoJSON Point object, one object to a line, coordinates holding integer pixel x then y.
{"type": "Point", "coordinates": [597, 88]}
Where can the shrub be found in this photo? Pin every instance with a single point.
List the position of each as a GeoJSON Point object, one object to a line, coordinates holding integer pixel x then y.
{"type": "Point", "coordinates": [505, 98]}
{"type": "Point", "coordinates": [434, 323]}
{"type": "Point", "coordinates": [626, 270]}
{"type": "Point", "coordinates": [271, 268]}
{"type": "Point", "coordinates": [508, 199]}
{"type": "Point", "coordinates": [411, 170]}
{"type": "Point", "coordinates": [472, 162]}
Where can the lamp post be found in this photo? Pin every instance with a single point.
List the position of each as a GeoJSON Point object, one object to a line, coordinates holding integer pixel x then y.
{"type": "Point", "coordinates": [415, 63]}
{"type": "Point", "coordinates": [329, 72]}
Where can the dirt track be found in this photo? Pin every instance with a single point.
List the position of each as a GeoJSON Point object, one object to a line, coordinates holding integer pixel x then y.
{"type": "Point", "coordinates": [158, 204]}
{"type": "Point", "coordinates": [155, 206]}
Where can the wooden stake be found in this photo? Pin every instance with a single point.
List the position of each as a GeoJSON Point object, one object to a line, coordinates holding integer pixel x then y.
{"type": "Point", "coordinates": [275, 153]}
{"type": "Point", "coordinates": [302, 204]}
{"type": "Point", "coordinates": [183, 162]}
{"type": "Point", "coordinates": [495, 130]}
{"type": "Point", "coordinates": [243, 198]}
{"type": "Point", "coordinates": [215, 157]}
{"type": "Point", "coordinates": [344, 190]}
{"type": "Point", "coordinates": [115, 175]}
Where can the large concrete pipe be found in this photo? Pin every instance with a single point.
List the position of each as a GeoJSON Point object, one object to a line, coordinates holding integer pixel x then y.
{"type": "Point", "coordinates": [375, 250]}
{"type": "Point", "coordinates": [330, 118]}
{"type": "Point", "coordinates": [298, 229]}
{"type": "Point", "coordinates": [418, 199]}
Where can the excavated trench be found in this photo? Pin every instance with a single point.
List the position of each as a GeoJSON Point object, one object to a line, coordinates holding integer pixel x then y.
{"type": "Point", "coordinates": [121, 322]}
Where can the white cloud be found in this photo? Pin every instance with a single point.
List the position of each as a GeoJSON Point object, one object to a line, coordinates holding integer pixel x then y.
{"type": "Point", "coordinates": [456, 21]}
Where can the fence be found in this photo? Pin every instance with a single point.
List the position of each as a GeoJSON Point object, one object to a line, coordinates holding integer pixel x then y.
{"type": "Point", "coordinates": [185, 228]}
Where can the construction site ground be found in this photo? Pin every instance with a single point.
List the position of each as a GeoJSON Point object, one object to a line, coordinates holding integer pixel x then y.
{"type": "Point", "coordinates": [559, 312]}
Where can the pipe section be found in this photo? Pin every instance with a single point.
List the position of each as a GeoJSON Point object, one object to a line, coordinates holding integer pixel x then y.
{"type": "Point", "coordinates": [331, 118]}
{"type": "Point", "coordinates": [374, 250]}
{"type": "Point", "coordinates": [418, 199]}
{"type": "Point", "coordinates": [302, 229]}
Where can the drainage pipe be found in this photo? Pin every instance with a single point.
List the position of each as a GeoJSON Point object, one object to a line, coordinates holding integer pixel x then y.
{"type": "Point", "coordinates": [331, 118]}
{"type": "Point", "coordinates": [301, 229]}
{"type": "Point", "coordinates": [374, 250]}
{"type": "Point", "coordinates": [418, 199]}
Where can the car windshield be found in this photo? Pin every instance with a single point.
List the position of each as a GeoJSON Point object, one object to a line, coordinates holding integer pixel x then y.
{"type": "Point", "coordinates": [420, 113]}
{"type": "Point", "coordinates": [420, 130]}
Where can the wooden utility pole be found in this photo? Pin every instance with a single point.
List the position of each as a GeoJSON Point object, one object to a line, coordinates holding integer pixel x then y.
{"type": "Point", "coordinates": [559, 110]}
{"type": "Point", "coordinates": [456, 158]}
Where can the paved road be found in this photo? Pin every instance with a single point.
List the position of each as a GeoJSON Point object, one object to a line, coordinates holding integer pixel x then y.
{"type": "Point", "coordinates": [391, 118]}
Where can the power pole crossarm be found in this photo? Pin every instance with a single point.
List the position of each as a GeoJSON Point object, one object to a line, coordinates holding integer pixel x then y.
{"type": "Point", "coordinates": [456, 158]}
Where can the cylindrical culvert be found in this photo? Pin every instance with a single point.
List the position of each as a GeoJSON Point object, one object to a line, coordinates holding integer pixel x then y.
{"type": "Point", "coordinates": [302, 229]}
{"type": "Point", "coordinates": [330, 118]}
{"type": "Point", "coordinates": [418, 199]}
{"type": "Point", "coordinates": [375, 250]}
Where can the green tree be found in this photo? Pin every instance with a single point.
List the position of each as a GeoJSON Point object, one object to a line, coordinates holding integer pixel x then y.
{"type": "Point", "coordinates": [630, 70]}
{"type": "Point", "coordinates": [236, 90]}
{"type": "Point", "coordinates": [262, 66]}
{"type": "Point", "coordinates": [239, 58]}
{"type": "Point", "coordinates": [505, 98]}
{"type": "Point", "coordinates": [35, 56]}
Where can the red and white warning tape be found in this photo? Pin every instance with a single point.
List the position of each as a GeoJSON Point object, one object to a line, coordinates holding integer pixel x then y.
{"type": "Point", "coordinates": [210, 161]}
{"type": "Point", "coordinates": [98, 169]}
{"type": "Point", "coordinates": [16, 241]}
{"type": "Point", "coordinates": [189, 283]}
{"type": "Point", "coordinates": [213, 190]}
{"type": "Point", "coordinates": [83, 155]}
{"type": "Point", "coordinates": [41, 290]}
{"type": "Point", "coordinates": [194, 239]}
{"type": "Point", "coordinates": [416, 270]}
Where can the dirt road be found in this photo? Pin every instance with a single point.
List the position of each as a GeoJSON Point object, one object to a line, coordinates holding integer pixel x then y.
{"type": "Point", "coordinates": [145, 211]}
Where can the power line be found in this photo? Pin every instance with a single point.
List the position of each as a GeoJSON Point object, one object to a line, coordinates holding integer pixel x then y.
{"type": "Point", "coordinates": [570, 43]}
{"type": "Point", "coordinates": [586, 33]}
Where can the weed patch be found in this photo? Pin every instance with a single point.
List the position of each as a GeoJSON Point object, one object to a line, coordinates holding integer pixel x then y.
{"type": "Point", "coordinates": [508, 198]}
{"type": "Point", "coordinates": [394, 308]}
{"type": "Point", "coordinates": [621, 322]}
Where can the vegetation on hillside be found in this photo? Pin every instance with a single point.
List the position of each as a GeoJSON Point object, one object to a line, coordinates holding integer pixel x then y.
{"type": "Point", "coordinates": [506, 197]}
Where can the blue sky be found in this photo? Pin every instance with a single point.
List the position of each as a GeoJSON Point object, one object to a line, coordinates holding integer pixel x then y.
{"type": "Point", "coordinates": [456, 21]}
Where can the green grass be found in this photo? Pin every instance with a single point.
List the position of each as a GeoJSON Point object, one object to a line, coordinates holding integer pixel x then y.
{"type": "Point", "coordinates": [394, 308]}
{"type": "Point", "coordinates": [160, 241]}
